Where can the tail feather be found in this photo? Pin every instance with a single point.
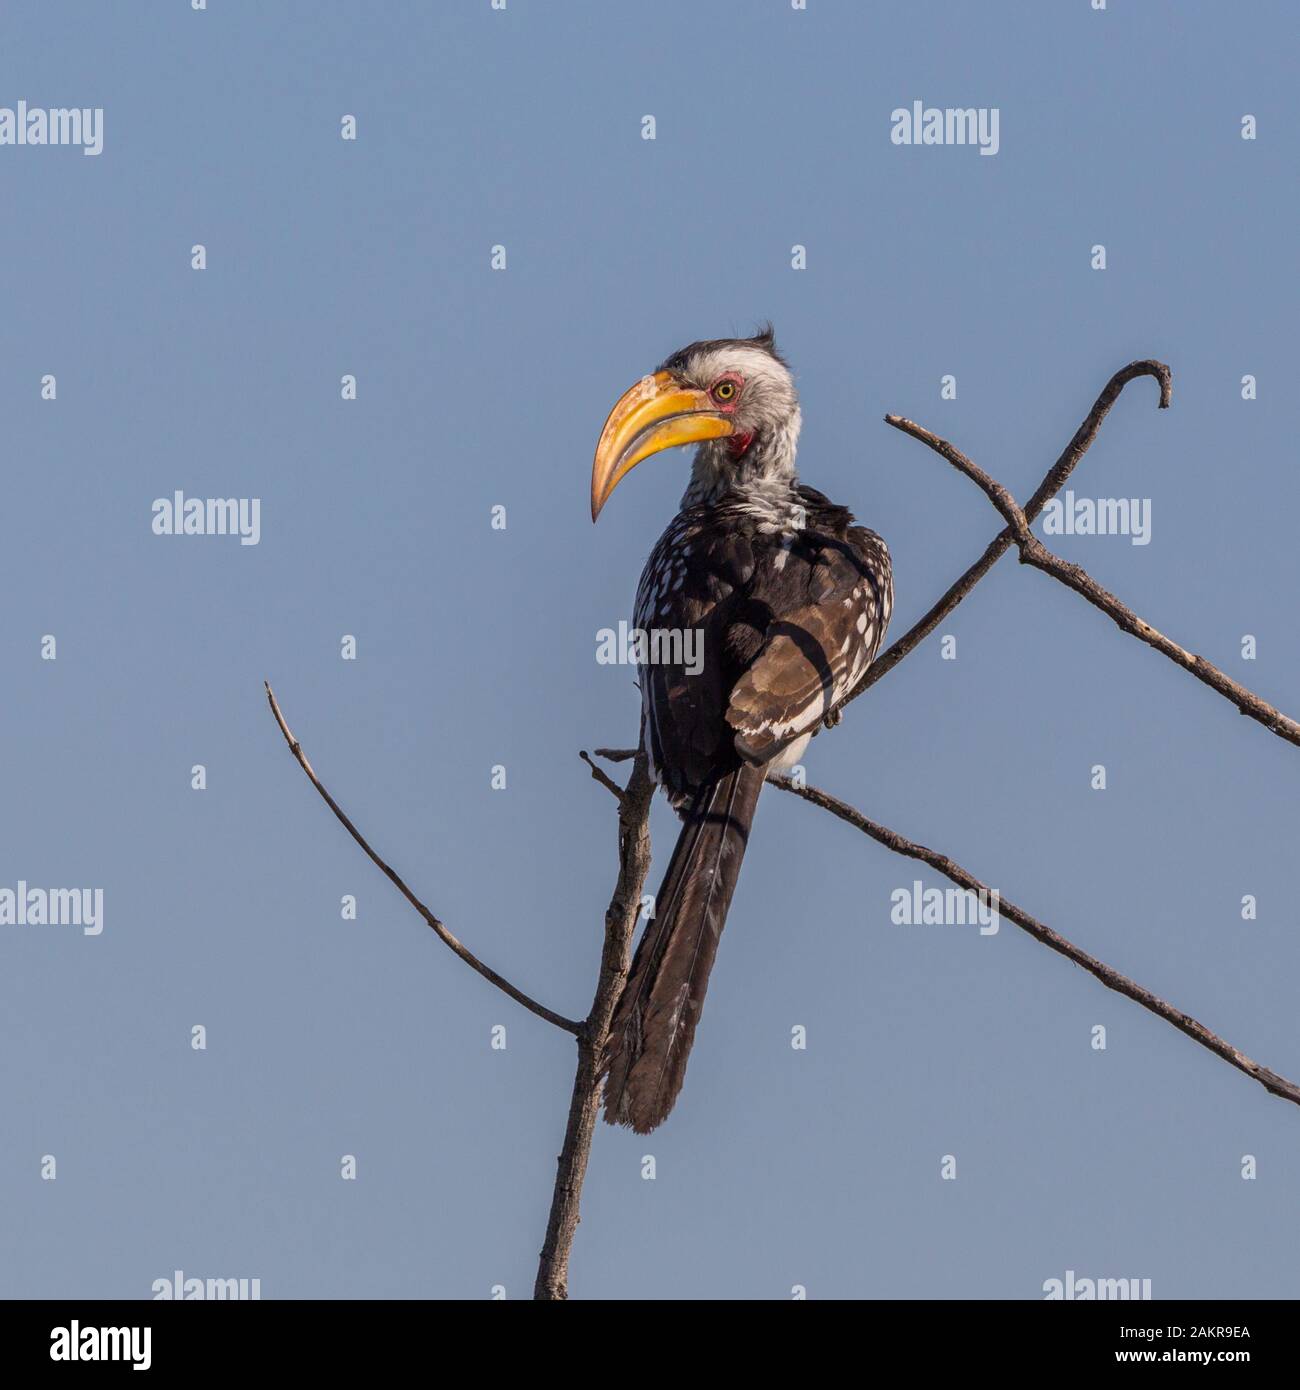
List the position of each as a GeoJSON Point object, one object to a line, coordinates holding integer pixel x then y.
{"type": "Point", "coordinates": [654, 1022]}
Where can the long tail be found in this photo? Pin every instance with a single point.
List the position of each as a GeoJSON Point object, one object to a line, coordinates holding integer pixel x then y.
{"type": "Point", "coordinates": [654, 1022]}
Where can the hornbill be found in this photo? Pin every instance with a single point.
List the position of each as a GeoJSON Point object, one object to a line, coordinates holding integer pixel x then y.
{"type": "Point", "coordinates": [790, 600]}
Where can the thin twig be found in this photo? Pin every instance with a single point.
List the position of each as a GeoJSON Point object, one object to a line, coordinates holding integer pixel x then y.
{"type": "Point", "coordinates": [1052, 483]}
{"type": "Point", "coordinates": [599, 774]}
{"type": "Point", "coordinates": [620, 922]}
{"type": "Point", "coordinates": [1035, 554]}
{"type": "Point", "coordinates": [470, 959]}
{"type": "Point", "coordinates": [1007, 506]}
{"type": "Point", "coordinates": [615, 755]}
{"type": "Point", "coordinates": [1109, 977]}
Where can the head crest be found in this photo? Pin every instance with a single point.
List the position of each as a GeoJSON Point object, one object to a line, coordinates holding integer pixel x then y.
{"type": "Point", "coordinates": [764, 339]}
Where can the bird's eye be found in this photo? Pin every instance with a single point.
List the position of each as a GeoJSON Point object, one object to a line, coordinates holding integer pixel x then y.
{"type": "Point", "coordinates": [724, 391]}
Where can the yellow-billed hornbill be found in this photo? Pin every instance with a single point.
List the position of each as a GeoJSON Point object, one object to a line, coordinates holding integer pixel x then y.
{"type": "Point", "coordinates": [790, 600]}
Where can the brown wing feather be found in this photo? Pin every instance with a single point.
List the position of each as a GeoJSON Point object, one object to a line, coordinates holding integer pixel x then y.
{"type": "Point", "coordinates": [814, 653]}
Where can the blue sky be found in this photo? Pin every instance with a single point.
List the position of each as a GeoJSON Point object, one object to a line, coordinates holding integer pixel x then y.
{"type": "Point", "coordinates": [476, 647]}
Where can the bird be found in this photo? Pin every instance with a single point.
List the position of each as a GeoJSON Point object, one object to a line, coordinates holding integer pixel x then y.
{"type": "Point", "coordinates": [786, 599]}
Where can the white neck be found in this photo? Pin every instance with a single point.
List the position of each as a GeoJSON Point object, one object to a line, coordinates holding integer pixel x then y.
{"type": "Point", "coordinates": [765, 470]}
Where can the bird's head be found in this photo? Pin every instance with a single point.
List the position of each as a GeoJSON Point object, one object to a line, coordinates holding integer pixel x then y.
{"type": "Point", "coordinates": [735, 397]}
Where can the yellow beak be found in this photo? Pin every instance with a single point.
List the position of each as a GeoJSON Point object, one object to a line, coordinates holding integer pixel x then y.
{"type": "Point", "coordinates": [657, 413]}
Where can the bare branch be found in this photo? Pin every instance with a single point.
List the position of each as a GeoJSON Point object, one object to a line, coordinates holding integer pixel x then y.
{"type": "Point", "coordinates": [1052, 483]}
{"type": "Point", "coordinates": [1007, 506]}
{"type": "Point", "coordinates": [620, 922]}
{"type": "Point", "coordinates": [598, 774]}
{"type": "Point", "coordinates": [1034, 553]}
{"type": "Point", "coordinates": [443, 934]}
{"type": "Point", "coordinates": [616, 755]}
{"type": "Point", "coordinates": [1112, 979]}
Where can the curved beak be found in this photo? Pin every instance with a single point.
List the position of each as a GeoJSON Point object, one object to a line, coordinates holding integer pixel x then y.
{"type": "Point", "coordinates": [657, 413]}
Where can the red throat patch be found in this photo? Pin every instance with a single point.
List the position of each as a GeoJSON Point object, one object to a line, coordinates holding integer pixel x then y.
{"type": "Point", "coordinates": [738, 444]}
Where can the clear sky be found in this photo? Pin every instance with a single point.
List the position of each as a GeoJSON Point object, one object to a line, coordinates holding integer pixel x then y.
{"type": "Point", "coordinates": [476, 647]}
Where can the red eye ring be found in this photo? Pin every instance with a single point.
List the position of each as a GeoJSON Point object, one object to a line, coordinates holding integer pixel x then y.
{"type": "Point", "coordinates": [725, 390]}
